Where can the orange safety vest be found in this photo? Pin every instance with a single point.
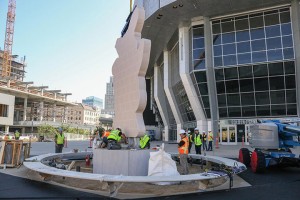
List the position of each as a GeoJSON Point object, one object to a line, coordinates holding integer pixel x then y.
{"type": "Point", "coordinates": [184, 149]}
{"type": "Point", "coordinates": [106, 134]}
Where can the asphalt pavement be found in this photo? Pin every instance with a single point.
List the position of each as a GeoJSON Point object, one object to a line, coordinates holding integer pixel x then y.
{"type": "Point", "coordinates": [275, 183]}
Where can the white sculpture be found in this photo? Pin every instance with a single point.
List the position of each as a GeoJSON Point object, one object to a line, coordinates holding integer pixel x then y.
{"type": "Point", "coordinates": [129, 71]}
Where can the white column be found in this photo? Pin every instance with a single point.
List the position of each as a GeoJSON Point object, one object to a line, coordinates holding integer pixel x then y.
{"type": "Point", "coordinates": [186, 78]}
{"type": "Point", "coordinates": [166, 136]}
{"type": "Point", "coordinates": [54, 112]}
{"type": "Point", "coordinates": [25, 109]}
{"type": "Point", "coordinates": [159, 96]}
{"type": "Point", "coordinates": [6, 129]}
{"type": "Point", "coordinates": [41, 108]}
{"type": "Point", "coordinates": [169, 92]}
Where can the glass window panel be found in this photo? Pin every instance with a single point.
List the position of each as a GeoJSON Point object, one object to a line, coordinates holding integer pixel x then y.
{"type": "Point", "coordinates": [222, 100]}
{"type": "Point", "coordinates": [219, 74]}
{"type": "Point", "coordinates": [288, 53]}
{"type": "Point", "coordinates": [234, 111]}
{"type": "Point", "coordinates": [242, 36]}
{"type": "Point", "coordinates": [259, 56]}
{"type": "Point", "coordinates": [258, 45]}
{"type": "Point", "coordinates": [243, 47]}
{"type": "Point", "coordinates": [217, 39]}
{"type": "Point", "coordinates": [198, 43]}
{"type": "Point", "coordinates": [272, 19]}
{"type": "Point", "coordinates": [277, 97]}
{"type": "Point", "coordinates": [289, 67]}
{"type": "Point", "coordinates": [218, 61]}
{"type": "Point", "coordinates": [228, 38]}
{"type": "Point", "coordinates": [256, 22]}
{"type": "Point", "coordinates": [276, 69]}
{"type": "Point", "coordinates": [260, 70]}
{"type": "Point", "coordinates": [223, 112]}
{"type": "Point", "coordinates": [207, 111]}
{"type": "Point", "coordinates": [263, 110]}
{"type": "Point", "coordinates": [262, 98]}
{"type": "Point", "coordinates": [242, 24]}
{"type": "Point", "coordinates": [248, 111]}
{"type": "Point", "coordinates": [278, 110]}
{"type": "Point", "coordinates": [200, 77]}
{"type": "Point", "coordinates": [277, 83]}
{"type": "Point", "coordinates": [220, 87]}
{"type": "Point", "coordinates": [232, 86]}
{"type": "Point", "coordinates": [285, 17]}
{"type": "Point", "coordinates": [257, 33]}
{"type": "Point", "coordinates": [286, 29]}
{"type": "Point", "coordinates": [274, 43]}
{"type": "Point", "coordinates": [216, 28]}
{"type": "Point", "coordinates": [272, 31]}
{"type": "Point", "coordinates": [199, 64]}
{"type": "Point", "coordinates": [245, 72]}
{"type": "Point", "coordinates": [198, 53]}
{"type": "Point", "coordinates": [229, 49]}
{"type": "Point", "coordinates": [198, 32]}
{"type": "Point", "coordinates": [291, 109]}
{"type": "Point", "coordinates": [203, 88]}
{"type": "Point", "coordinates": [261, 84]}
{"type": "Point", "coordinates": [247, 99]}
{"type": "Point", "coordinates": [290, 96]}
{"type": "Point", "coordinates": [230, 73]}
{"type": "Point", "coordinates": [246, 85]}
{"type": "Point", "coordinates": [244, 58]}
{"type": "Point", "coordinates": [205, 100]}
{"type": "Point", "coordinates": [218, 50]}
{"type": "Point", "coordinates": [229, 60]}
{"type": "Point", "coordinates": [275, 54]}
{"type": "Point", "coordinates": [227, 27]}
{"type": "Point", "coordinates": [287, 41]}
{"type": "Point", "coordinates": [290, 82]}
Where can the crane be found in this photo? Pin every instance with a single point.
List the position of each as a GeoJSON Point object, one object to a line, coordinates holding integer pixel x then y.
{"type": "Point", "coordinates": [9, 33]}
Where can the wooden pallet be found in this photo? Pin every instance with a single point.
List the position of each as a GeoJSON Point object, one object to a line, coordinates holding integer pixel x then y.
{"type": "Point", "coordinates": [10, 153]}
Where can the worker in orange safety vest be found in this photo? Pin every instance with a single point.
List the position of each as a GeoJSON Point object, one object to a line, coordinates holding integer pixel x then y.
{"type": "Point", "coordinates": [183, 150]}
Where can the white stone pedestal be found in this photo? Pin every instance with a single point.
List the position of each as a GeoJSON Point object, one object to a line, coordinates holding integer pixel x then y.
{"type": "Point", "coordinates": [117, 162]}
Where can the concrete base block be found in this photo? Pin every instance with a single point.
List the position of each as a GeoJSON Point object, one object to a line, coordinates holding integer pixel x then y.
{"type": "Point", "coordinates": [117, 162]}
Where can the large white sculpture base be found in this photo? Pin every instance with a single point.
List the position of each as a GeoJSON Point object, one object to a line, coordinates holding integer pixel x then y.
{"type": "Point", "coordinates": [117, 162]}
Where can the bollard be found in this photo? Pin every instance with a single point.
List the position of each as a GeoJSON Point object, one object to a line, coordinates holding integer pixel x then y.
{"type": "Point", "coordinates": [66, 143]}
{"type": "Point", "coordinates": [243, 141]}
{"type": "Point", "coordinates": [87, 160]}
{"type": "Point", "coordinates": [90, 143]}
{"type": "Point", "coordinates": [217, 142]}
{"type": "Point", "coordinates": [77, 168]}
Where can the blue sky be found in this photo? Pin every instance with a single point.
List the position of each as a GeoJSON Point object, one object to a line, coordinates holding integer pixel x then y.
{"type": "Point", "coordinates": [68, 44]}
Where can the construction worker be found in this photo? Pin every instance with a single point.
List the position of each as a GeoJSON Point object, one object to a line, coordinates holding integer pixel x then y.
{"type": "Point", "coordinates": [190, 135]}
{"type": "Point", "coordinates": [59, 141]}
{"type": "Point", "coordinates": [197, 141]}
{"type": "Point", "coordinates": [114, 138]}
{"type": "Point", "coordinates": [145, 142]}
{"type": "Point", "coordinates": [17, 135]}
{"type": "Point", "coordinates": [104, 138]}
{"type": "Point", "coordinates": [210, 140]}
{"type": "Point", "coordinates": [183, 151]}
{"type": "Point", "coordinates": [204, 138]}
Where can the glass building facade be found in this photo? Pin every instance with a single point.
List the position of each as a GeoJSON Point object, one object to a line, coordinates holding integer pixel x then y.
{"type": "Point", "coordinates": [254, 65]}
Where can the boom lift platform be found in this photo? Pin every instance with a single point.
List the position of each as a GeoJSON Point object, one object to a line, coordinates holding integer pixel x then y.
{"type": "Point", "coordinates": [272, 141]}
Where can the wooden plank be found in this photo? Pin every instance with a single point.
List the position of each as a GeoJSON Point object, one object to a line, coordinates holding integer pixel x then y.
{"type": "Point", "coordinates": [3, 143]}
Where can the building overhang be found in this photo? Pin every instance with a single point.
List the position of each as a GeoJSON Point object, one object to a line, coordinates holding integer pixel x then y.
{"type": "Point", "coordinates": [160, 26]}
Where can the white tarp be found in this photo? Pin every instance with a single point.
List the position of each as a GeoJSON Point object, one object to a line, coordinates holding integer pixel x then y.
{"type": "Point", "coordinates": [161, 164]}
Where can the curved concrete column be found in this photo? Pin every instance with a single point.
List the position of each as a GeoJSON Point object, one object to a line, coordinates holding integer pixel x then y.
{"type": "Point", "coordinates": [210, 75]}
{"type": "Point", "coordinates": [160, 99]}
{"type": "Point", "coordinates": [295, 14]}
{"type": "Point", "coordinates": [184, 70]}
{"type": "Point", "coordinates": [169, 92]}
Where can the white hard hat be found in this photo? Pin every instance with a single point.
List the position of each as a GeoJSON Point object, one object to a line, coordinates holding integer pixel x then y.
{"type": "Point", "coordinates": [196, 129]}
{"type": "Point", "coordinates": [182, 131]}
{"type": "Point", "coordinates": [189, 131]}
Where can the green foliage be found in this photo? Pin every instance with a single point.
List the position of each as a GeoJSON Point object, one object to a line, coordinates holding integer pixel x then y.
{"type": "Point", "coordinates": [50, 131]}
